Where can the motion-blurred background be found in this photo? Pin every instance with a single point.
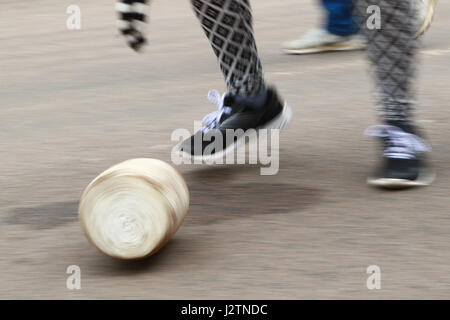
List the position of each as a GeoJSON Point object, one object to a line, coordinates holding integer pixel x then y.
{"type": "Point", "coordinates": [74, 102]}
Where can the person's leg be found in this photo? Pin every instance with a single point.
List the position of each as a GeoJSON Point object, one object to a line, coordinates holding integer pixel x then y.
{"type": "Point", "coordinates": [340, 20]}
{"type": "Point", "coordinates": [339, 32]}
{"type": "Point", "coordinates": [248, 104]}
{"type": "Point", "coordinates": [228, 26]}
{"type": "Point", "coordinates": [392, 51]}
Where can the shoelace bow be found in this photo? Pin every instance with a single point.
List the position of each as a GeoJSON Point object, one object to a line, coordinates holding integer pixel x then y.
{"type": "Point", "coordinates": [211, 120]}
{"type": "Point", "coordinates": [400, 144]}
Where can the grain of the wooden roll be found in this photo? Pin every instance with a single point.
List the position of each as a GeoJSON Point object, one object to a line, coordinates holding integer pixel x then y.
{"type": "Point", "coordinates": [132, 209]}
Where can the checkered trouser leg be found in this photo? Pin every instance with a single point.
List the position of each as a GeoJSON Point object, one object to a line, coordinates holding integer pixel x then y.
{"type": "Point", "coordinates": [228, 26]}
{"type": "Point", "coordinates": [392, 51]}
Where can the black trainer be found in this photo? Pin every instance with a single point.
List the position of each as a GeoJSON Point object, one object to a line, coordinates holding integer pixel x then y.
{"type": "Point", "coordinates": [403, 163]}
{"type": "Point", "coordinates": [225, 129]}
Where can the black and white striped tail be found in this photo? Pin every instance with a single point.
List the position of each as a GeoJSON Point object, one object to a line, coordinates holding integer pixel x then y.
{"type": "Point", "coordinates": [132, 21]}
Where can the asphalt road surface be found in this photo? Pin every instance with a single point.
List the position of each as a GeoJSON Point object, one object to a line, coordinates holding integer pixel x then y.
{"type": "Point", "coordinates": [74, 102]}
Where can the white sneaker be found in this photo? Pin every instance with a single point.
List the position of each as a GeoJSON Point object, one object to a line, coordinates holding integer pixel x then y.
{"type": "Point", "coordinates": [320, 40]}
{"type": "Point", "coordinates": [425, 12]}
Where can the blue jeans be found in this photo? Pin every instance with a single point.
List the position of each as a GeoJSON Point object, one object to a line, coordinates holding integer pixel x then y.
{"type": "Point", "coordinates": [340, 19]}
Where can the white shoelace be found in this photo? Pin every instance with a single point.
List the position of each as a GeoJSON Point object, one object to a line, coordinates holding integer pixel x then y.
{"type": "Point", "coordinates": [211, 120]}
{"type": "Point", "coordinates": [400, 144]}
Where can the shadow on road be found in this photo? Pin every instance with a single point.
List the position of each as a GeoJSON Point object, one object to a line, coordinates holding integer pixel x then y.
{"type": "Point", "coordinates": [47, 216]}
{"type": "Point", "coordinates": [215, 198]}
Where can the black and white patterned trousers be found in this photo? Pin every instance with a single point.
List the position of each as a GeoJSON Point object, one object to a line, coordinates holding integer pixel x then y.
{"type": "Point", "coordinates": [228, 26]}
{"type": "Point", "coordinates": [392, 51]}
